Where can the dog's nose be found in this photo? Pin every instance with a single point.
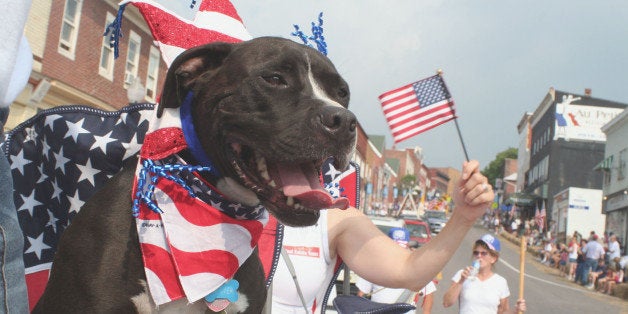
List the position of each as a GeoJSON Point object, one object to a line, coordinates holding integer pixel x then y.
{"type": "Point", "coordinates": [338, 121]}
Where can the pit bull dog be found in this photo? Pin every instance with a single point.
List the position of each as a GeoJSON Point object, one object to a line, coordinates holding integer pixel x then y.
{"type": "Point", "coordinates": [267, 113]}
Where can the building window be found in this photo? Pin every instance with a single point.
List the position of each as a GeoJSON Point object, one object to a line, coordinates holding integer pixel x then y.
{"type": "Point", "coordinates": [105, 67]}
{"type": "Point", "coordinates": [69, 28]}
{"type": "Point", "coordinates": [152, 73]}
{"type": "Point", "coordinates": [132, 59]}
{"type": "Point", "coordinates": [621, 167]}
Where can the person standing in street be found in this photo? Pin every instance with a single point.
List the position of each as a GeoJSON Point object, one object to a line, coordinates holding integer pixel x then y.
{"type": "Point", "coordinates": [613, 249]}
{"type": "Point", "coordinates": [593, 251]}
{"type": "Point", "coordinates": [352, 236]}
{"type": "Point", "coordinates": [482, 290]}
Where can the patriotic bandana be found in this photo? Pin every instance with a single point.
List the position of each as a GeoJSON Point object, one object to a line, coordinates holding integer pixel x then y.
{"type": "Point", "coordinates": [193, 240]}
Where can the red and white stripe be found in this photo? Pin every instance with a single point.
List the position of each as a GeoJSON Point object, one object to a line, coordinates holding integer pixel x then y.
{"type": "Point", "coordinates": [177, 27]}
{"type": "Point", "coordinates": [192, 248]}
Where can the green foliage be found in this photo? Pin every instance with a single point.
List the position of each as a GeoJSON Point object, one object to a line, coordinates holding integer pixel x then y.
{"type": "Point", "coordinates": [407, 182]}
{"type": "Point", "coordinates": [495, 168]}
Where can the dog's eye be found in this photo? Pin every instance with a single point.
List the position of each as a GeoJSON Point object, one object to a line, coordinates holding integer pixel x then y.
{"type": "Point", "coordinates": [275, 80]}
{"type": "Point", "coordinates": [343, 92]}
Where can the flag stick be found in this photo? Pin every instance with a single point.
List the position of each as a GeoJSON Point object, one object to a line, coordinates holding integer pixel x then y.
{"type": "Point", "coordinates": [522, 259]}
{"type": "Point", "coordinates": [464, 148]}
{"type": "Point", "coordinates": [461, 141]}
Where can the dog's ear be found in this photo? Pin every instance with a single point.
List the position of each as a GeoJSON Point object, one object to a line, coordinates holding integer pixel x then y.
{"type": "Point", "coordinates": [186, 68]}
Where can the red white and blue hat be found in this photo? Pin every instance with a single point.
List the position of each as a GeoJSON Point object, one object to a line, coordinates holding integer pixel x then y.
{"type": "Point", "coordinates": [491, 241]}
{"type": "Point", "coordinates": [400, 235]}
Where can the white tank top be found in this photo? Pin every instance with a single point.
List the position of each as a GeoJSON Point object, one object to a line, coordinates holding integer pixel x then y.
{"type": "Point", "coordinates": [308, 248]}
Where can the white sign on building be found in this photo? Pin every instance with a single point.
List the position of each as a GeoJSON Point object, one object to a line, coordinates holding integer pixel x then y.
{"type": "Point", "coordinates": [578, 122]}
{"type": "Point", "coordinates": [578, 209]}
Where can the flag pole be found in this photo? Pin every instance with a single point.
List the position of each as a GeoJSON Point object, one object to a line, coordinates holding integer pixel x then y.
{"type": "Point", "coordinates": [439, 72]}
{"type": "Point", "coordinates": [522, 264]}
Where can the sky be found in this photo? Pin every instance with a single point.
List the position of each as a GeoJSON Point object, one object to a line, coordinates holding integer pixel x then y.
{"type": "Point", "coordinates": [499, 59]}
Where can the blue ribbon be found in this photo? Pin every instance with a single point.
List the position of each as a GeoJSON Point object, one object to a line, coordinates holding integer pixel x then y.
{"type": "Point", "coordinates": [194, 145]}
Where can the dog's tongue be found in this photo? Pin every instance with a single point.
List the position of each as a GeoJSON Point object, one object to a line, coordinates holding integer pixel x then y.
{"type": "Point", "coordinates": [303, 184]}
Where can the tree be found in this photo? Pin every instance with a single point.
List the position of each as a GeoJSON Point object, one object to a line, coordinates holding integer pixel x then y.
{"type": "Point", "coordinates": [407, 182]}
{"type": "Point", "coordinates": [495, 168]}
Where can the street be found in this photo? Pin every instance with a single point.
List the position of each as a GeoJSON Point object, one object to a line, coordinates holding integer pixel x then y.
{"type": "Point", "coordinates": [544, 291]}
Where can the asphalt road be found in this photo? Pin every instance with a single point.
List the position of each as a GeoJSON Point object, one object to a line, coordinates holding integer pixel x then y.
{"type": "Point", "coordinates": [544, 290]}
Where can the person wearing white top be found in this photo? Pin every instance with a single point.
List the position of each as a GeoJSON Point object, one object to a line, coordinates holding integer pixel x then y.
{"type": "Point", "coordinates": [613, 248]}
{"type": "Point", "coordinates": [485, 292]}
{"type": "Point", "coordinates": [371, 254]}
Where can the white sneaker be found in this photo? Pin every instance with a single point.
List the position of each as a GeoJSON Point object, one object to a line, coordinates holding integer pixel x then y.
{"type": "Point", "coordinates": [590, 287]}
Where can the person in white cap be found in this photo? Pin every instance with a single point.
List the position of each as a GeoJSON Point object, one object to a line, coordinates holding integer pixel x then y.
{"type": "Point", "coordinates": [486, 291]}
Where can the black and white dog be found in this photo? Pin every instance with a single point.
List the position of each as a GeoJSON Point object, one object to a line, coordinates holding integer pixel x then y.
{"type": "Point", "coordinates": [267, 112]}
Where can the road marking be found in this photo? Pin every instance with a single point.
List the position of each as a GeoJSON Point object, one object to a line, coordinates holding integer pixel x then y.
{"type": "Point", "coordinates": [541, 279]}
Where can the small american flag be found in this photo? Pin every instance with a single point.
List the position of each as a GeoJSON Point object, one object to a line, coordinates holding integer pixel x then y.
{"type": "Point", "coordinates": [417, 107]}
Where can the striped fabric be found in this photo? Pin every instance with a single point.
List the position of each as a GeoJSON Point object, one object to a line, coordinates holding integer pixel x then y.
{"type": "Point", "coordinates": [179, 25]}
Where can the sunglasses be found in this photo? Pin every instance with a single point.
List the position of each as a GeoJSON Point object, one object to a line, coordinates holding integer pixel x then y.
{"type": "Point", "coordinates": [480, 253]}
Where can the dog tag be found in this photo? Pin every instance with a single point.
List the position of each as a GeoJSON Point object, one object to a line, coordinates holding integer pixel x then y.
{"type": "Point", "coordinates": [218, 304]}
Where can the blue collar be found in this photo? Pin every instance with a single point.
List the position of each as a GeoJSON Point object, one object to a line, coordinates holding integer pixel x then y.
{"type": "Point", "coordinates": [194, 145]}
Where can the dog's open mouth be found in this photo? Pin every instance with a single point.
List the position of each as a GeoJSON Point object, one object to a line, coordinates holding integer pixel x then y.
{"type": "Point", "coordinates": [293, 185]}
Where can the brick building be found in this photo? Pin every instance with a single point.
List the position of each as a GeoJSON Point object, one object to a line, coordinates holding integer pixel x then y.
{"type": "Point", "coordinates": [74, 64]}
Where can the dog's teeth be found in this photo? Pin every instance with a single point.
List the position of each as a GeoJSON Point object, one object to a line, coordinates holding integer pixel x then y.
{"type": "Point", "coordinates": [265, 175]}
{"type": "Point", "coordinates": [272, 183]}
{"type": "Point", "coordinates": [262, 168]}
{"type": "Point", "coordinates": [261, 164]}
{"type": "Point", "coordinates": [290, 201]}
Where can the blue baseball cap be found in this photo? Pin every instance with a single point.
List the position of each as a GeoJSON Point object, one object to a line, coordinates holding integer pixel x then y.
{"type": "Point", "coordinates": [491, 241]}
{"type": "Point", "coordinates": [400, 235]}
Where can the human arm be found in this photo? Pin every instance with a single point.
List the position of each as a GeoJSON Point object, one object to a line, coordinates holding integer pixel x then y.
{"type": "Point", "coordinates": [453, 293]}
{"type": "Point", "coordinates": [428, 301]}
{"type": "Point", "coordinates": [375, 257]}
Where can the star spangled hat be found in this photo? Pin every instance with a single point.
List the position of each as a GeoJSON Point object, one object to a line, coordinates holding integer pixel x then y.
{"type": "Point", "coordinates": [179, 25]}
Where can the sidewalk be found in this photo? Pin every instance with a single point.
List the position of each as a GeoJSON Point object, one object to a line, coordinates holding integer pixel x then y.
{"type": "Point", "coordinates": [620, 290]}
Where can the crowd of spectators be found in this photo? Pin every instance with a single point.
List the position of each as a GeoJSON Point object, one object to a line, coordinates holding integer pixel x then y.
{"type": "Point", "coordinates": [592, 262]}
{"type": "Point", "coordinates": [595, 262]}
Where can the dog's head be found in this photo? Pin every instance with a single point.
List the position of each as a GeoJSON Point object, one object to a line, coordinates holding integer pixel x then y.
{"type": "Point", "coordinates": [268, 112]}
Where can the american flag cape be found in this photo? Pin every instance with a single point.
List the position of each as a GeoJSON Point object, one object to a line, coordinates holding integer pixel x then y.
{"type": "Point", "coordinates": [59, 159]}
{"type": "Point", "coordinates": [179, 25]}
{"type": "Point", "coordinates": [417, 107]}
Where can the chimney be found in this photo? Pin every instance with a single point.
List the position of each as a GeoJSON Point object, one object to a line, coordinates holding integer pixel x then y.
{"type": "Point", "coordinates": [587, 92]}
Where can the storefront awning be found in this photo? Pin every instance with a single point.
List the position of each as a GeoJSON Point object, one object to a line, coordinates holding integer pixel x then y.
{"type": "Point", "coordinates": [605, 164]}
{"type": "Point", "coordinates": [522, 199]}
